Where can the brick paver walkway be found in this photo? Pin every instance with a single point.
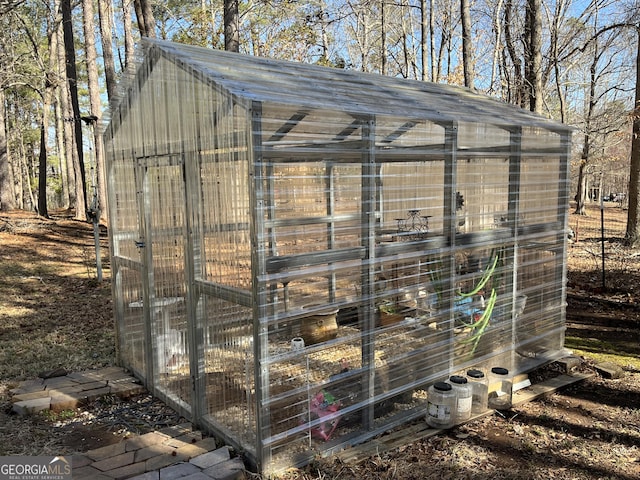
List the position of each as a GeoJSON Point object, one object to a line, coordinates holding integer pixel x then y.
{"type": "Point", "coordinates": [170, 453]}
{"type": "Point", "coordinates": [173, 452]}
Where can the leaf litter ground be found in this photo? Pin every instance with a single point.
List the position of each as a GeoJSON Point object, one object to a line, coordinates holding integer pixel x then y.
{"type": "Point", "coordinates": [53, 313]}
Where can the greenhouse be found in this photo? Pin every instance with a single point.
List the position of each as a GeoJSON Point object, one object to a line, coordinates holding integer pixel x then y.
{"type": "Point", "coordinates": [299, 252]}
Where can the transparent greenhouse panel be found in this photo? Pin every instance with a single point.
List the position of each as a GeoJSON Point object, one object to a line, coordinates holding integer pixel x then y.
{"type": "Point", "coordinates": [483, 194]}
{"type": "Point", "coordinates": [164, 240]}
{"type": "Point", "coordinates": [540, 281]}
{"type": "Point", "coordinates": [131, 330]}
{"type": "Point", "coordinates": [125, 231]}
{"type": "Point", "coordinates": [540, 188]}
{"type": "Point", "coordinates": [223, 200]}
{"type": "Point", "coordinates": [402, 137]}
{"type": "Point", "coordinates": [227, 335]}
{"type": "Point", "coordinates": [345, 244]}
{"type": "Point", "coordinates": [412, 200]}
{"type": "Point", "coordinates": [171, 350]}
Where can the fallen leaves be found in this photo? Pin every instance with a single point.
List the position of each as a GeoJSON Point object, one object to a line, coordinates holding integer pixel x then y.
{"type": "Point", "coordinates": [586, 432]}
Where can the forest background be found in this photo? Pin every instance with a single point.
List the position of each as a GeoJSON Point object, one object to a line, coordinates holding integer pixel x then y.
{"type": "Point", "coordinates": [572, 60]}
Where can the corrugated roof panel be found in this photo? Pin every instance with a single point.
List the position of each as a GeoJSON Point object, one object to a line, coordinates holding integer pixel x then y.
{"type": "Point", "coordinates": [312, 86]}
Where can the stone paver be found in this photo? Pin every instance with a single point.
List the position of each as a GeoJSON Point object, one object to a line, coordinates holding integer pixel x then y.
{"type": "Point", "coordinates": [21, 397]}
{"type": "Point", "coordinates": [155, 475]}
{"type": "Point", "coordinates": [89, 473]}
{"type": "Point", "coordinates": [209, 459]}
{"type": "Point", "coordinates": [65, 401]}
{"type": "Point", "coordinates": [152, 451]}
{"type": "Point", "coordinates": [146, 440]}
{"type": "Point", "coordinates": [106, 451]}
{"type": "Point", "coordinates": [78, 461]}
{"type": "Point", "coordinates": [70, 391]}
{"type": "Point", "coordinates": [29, 407]}
{"type": "Point", "coordinates": [112, 463]}
{"type": "Point", "coordinates": [197, 476]}
{"type": "Point", "coordinates": [148, 457]}
{"type": "Point", "coordinates": [161, 461]}
{"type": "Point", "coordinates": [193, 450]}
{"type": "Point", "coordinates": [178, 471]}
{"type": "Point", "coordinates": [232, 469]}
{"type": "Point", "coordinates": [177, 451]}
{"type": "Point", "coordinates": [176, 431]}
{"type": "Point", "coordinates": [127, 471]}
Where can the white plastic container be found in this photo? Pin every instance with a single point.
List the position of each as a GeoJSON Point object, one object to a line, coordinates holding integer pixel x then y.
{"type": "Point", "coordinates": [500, 389]}
{"type": "Point", "coordinates": [441, 405]}
{"type": "Point", "coordinates": [464, 398]}
{"type": "Point", "coordinates": [479, 390]}
{"type": "Point", "coordinates": [297, 343]}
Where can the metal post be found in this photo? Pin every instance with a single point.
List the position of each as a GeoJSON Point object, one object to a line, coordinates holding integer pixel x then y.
{"type": "Point", "coordinates": [450, 224]}
{"type": "Point", "coordinates": [368, 223]}
{"type": "Point", "coordinates": [604, 283]}
{"type": "Point", "coordinates": [93, 212]}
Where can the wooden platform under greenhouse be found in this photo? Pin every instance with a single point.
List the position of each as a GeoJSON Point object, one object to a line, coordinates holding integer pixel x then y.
{"type": "Point", "coordinates": [412, 433]}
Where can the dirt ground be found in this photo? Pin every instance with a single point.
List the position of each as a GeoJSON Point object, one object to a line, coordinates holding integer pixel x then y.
{"type": "Point", "coordinates": [54, 313]}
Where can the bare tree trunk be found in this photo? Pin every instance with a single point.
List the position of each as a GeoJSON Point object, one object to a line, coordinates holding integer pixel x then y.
{"type": "Point", "coordinates": [42, 172]}
{"type": "Point", "coordinates": [26, 176]}
{"type": "Point", "coordinates": [534, 57]}
{"type": "Point", "coordinates": [66, 112]}
{"type": "Point", "coordinates": [423, 40]}
{"type": "Point", "coordinates": [50, 84]}
{"type": "Point", "coordinates": [632, 236]}
{"type": "Point", "coordinates": [146, 21]}
{"type": "Point", "coordinates": [364, 47]}
{"type": "Point", "coordinates": [497, 27]}
{"type": "Point", "coordinates": [72, 79]}
{"type": "Point", "coordinates": [106, 18]}
{"type": "Point", "coordinates": [140, 18]}
{"type": "Point", "coordinates": [581, 195]}
{"type": "Point", "coordinates": [99, 197]}
{"type": "Point", "coordinates": [361, 37]}
{"type": "Point", "coordinates": [324, 38]}
{"type": "Point", "coordinates": [44, 129]}
{"type": "Point", "coordinates": [432, 41]}
{"type": "Point", "coordinates": [149, 20]}
{"type": "Point", "coordinates": [129, 46]}
{"type": "Point", "coordinates": [16, 159]}
{"type": "Point", "coordinates": [62, 153]}
{"type": "Point", "coordinates": [231, 26]}
{"type": "Point", "coordinates": [467, 50]}
{"type": "Point", "coordinates": [555, 34]}
{"type": "Point", "coordinates": [7, 190]}
{"type": "Point", "coordinates": [383, 39]}
{"type": "Point", "coordinates": [445, 43]}
{"type": "Point", "coordinates": [516, 95]}
{"type": "Point", "coordinates": [408, 57]}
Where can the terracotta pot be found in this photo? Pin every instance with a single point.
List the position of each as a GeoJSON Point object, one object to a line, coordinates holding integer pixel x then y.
{"type": "Point", "coordinates": [319, 327]}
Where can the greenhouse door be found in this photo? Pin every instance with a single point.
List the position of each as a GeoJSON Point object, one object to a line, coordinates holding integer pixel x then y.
{"type": "Point", "coordinates": [163, 239]}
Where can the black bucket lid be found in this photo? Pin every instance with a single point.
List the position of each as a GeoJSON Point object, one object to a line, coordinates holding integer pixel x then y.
{"type": "Point", "coordinates": [458, 379]}
{"type": "Point", "coordinates": [442, 386]}
{"type": "Point", "coordinates": [500, 371]}
{"type": "Point", "coordinates": [474, 373]}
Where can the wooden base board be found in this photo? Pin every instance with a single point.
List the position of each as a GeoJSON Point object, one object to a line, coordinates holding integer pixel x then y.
{"type": "Point", "coordinates": [548, 386]}
{"type": "Point", "coordinates": [413, 433]}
